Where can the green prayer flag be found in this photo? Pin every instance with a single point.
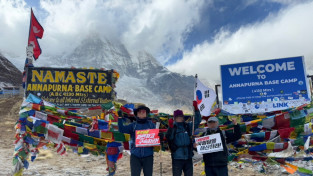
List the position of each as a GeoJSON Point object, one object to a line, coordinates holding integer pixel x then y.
{"type": "Point", "coordinates": [243, 128]}
{"type": "Point", "coordinates": [297, 118]}
{"type": "Point", "coordinates": [231, 157]}
{"type": "Point", "coordinates": [15, 161]}
{"type": "Point", "coordinates": [107, 106]}
{"type": "Point", "coordinates": [60, 125]}
{"type": "Point", "coordinates": [299, 129]}
{"type": "Point", "coordinates": [222, 119]}
{"type": "Point", "coordinates": [40, 129]}
{"type": "Point", "coordinates": [305, 171]}
{"type": "Point", "coordinates": [22, 154]}
{"type": "Point", "coordinates": [299, 141]}
{"type": "Point", "coordinates": [119, 136]}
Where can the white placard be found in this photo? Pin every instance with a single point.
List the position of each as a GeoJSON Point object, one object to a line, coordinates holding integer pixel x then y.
{"type": "Point", "coordinates": [209, 144]}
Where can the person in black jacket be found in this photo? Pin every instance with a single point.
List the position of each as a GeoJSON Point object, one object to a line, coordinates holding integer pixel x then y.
{"type": "Point", "coordinates": [181, 143]}
{"type": "Point", "coordinates": [216, 163]}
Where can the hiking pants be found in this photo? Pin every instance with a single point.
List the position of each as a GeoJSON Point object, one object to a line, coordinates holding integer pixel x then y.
{"type": "Point", "coordinates": [216, 170]}
{"type": "Point", "coordinates": [136, 164]}
{"type": "Point", "coordinates": [180, 165]}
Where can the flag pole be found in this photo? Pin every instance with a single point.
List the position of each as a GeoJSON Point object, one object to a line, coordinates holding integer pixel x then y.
{"type": "Point", "coordinates": [193, 117]}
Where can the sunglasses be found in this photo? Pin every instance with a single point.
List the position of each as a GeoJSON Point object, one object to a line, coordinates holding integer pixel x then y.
{"type": "Point", "coordinates": [211, 121]}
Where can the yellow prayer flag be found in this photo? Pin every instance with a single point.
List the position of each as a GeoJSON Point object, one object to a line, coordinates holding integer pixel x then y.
{"type": "Point", "coordinates": [293, 135]}
{"type": "Point", "coordinates": [127, 137]}
{"type": "Point", "coordinates": [80, 149]}
{"type": "Point", "coordinates": [256, 121]}
{"type": "Point", "coordinates": [106, 135]}
{"type": "Point", "coordinates": [19, 173]}
{"type": "Point", "coordinates": [243, 152]}
{"type": "Point", "coordinates": [102, 116]}
{"type": "Point", "coordinates": [261, 116]}
{"type": "Point", "coordinates": [90, 146]}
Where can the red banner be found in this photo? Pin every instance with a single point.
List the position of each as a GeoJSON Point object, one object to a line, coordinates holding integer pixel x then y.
{"type": "Point", "coordinates": [35, 31]}
{"type": "Point", "coordinates": [147, 138]}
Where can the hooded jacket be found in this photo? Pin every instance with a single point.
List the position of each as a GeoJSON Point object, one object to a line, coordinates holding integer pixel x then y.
{"type": "Point", "coordinates": [181, 138]}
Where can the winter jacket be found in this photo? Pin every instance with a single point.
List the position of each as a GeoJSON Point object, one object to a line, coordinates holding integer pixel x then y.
{"type": "Point", "coordinates": [179, 138]}
{"type": "Point", "coordinates": [139, 152]}
{"type": "Point", "coordinates": [221, 158]}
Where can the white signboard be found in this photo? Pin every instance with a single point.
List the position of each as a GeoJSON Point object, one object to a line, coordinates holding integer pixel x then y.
{"type": "Point", "coordinates": [209, 144]}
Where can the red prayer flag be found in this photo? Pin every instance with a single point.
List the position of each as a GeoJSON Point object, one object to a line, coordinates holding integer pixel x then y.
{"type": "Point", "coordinates": [35, 31]}
{"type": "Point", "coordinates": [285, 133]}
{"type": "Point", "coordinates": [53, 134]}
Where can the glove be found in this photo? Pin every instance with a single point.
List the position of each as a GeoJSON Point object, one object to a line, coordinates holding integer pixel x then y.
{"type": "Point", "coordinates": [161, 135]}
{"type": "Point", "coordinates": [195, 105]}
{"type": "Point", "coordinates": [120, 113]}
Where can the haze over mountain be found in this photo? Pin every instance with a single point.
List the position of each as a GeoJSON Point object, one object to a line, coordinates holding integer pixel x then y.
{"type": "Point", "coordinates": [142, 78]}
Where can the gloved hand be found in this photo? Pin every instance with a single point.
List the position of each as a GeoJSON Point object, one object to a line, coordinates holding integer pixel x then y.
{"type": "Point", "coordinates": [161, 135]}
{"type": "Point", "coordinates": [195, 106]}
{"type": "Point", "coordinates": [120, 113]}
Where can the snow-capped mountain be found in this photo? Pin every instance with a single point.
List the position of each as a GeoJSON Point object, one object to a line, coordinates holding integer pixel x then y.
{"type": "Point", "coordinates": [10, 75]}
{"type": "Point", "coordinates": [143, 79]}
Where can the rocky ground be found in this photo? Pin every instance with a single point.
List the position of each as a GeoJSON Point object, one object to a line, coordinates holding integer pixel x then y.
{"type": "Point", "coordinates": [49, 163]}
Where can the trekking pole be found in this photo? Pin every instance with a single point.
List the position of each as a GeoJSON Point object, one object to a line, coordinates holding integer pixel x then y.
{"type": "Point", "coordinates": [161, 165]}
{"type": "Point", "coordinates": [160, 152]}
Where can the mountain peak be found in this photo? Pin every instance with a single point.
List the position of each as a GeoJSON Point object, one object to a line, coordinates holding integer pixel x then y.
{"type": "Point", "coordinates": [143, 79]}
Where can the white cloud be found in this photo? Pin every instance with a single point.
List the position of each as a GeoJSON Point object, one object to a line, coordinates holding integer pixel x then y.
{"type": "Point", "coordinates": [158, 27]}
{"type": "Point", "coordinates": [287, 34]}
{"type": "Point", "coordinates": [161, 26]}
{"type": "Point", "coordinates": [288, 2]}
{"type": "Point", "coordinates": [14, 22]}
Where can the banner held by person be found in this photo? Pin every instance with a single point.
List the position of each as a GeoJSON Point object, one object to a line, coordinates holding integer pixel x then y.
{"type": "Point", "coordinates": [205, 98]}
{"type": "Point", "coordinates": [147, 138]}
{"type": "Point", "coordinates": [209, 144]}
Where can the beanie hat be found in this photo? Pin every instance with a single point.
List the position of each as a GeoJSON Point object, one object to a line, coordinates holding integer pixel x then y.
{"type": "Point", "coordinates": [178, 113]}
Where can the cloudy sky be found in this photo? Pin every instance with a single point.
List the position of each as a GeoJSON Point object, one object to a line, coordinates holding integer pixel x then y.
{"type": "Point", "coordinates": [189, 37]}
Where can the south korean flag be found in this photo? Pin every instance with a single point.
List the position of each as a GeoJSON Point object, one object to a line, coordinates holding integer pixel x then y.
{"type": "Point", "coordinates": [205, 98]}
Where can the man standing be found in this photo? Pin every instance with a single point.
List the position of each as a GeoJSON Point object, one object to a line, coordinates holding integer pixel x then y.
{"type": "Point", "coordinates": [181, 143]}
{"type": "Point", "coordinates": [141, 157]}
{"type": "Point", "coordinates": [216, 163]}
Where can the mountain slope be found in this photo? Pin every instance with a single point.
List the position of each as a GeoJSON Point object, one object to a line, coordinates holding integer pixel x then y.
{"type": "Point", "coordinates": [10, 75]}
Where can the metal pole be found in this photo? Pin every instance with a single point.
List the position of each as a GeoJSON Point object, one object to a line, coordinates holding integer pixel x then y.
{"type": "Point", "coordinates": [217, 99]}
{"type": "Point", "coordinates": [311, 85]}
{"type": "Point", "coordinates": [193, 117]}
{"type": "Point", "coordinates": [161, 168]}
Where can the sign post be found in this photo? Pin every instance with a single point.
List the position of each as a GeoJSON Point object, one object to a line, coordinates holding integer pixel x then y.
{"type": "Point", "coordinates": [75, 88]}
{"type": "Point", "coordinates": [264, 86]}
